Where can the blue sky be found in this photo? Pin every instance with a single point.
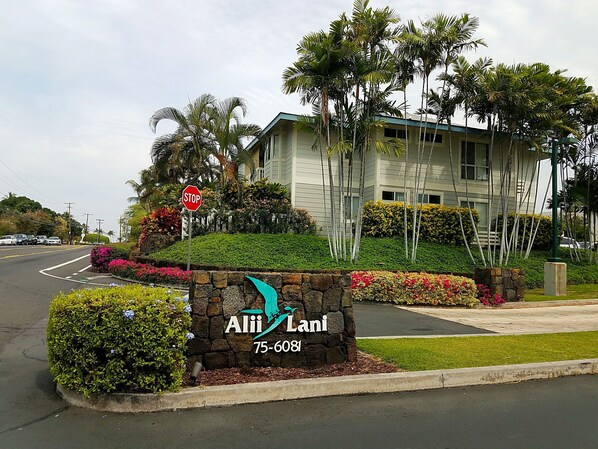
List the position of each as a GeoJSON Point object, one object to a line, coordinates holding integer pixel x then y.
{"type": "Point", "coordinates": [80, 79]}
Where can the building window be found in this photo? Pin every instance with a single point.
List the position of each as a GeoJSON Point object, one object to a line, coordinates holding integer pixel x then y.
{"type": "Point", "coordinates": [428, 198]}
{"type": "Point", "coordinates": [395, 133]}
{"type": "Point", "coordinates": [482, 209]}
{"type": "Point", "coordinates": [474, 161]}
{"type": "Point", "coordinates": [351, 207]}
{"type": "Point", "coordinates": [389, 195]}
{"type": "Point", "coordinates": [429, 137]}
{"type": "Point", "coordinates": [267, 151]}
{"type": "Point", "coordinates": [275, 146]}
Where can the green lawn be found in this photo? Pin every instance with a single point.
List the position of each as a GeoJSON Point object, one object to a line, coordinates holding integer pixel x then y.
{"type": "Point", "coordinates": [302, 252]}
{"type": "Point", "coordinates": [419, 354]}
{"type": "Point", "coordinates": [582, 291]}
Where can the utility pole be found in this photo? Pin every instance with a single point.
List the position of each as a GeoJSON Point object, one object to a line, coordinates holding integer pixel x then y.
{"type": "Point", "coordinates": [69, 220]}
{"type": "Point", "coordinates": [99, 220]}
{"type": "Point", "coordinates": [87, 223]}
{"type": "Point", "coordinates": [121, 222]}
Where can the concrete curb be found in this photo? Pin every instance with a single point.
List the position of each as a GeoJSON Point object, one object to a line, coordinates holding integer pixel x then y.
{"type": "Point", "coordinates": [284, 390]}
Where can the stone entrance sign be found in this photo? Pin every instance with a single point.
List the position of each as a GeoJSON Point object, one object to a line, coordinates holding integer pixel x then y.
{"type": "Point", "coordinates": [243, 319]}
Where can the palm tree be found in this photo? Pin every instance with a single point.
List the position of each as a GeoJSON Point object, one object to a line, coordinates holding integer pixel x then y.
{"type": "Point", "coordinates": [191, 144]}
{"type": "Point", "coordinates": [317, 73]}
{"type": "Point", "coordinates": [435, 45]}
{"type": "Point", "coordinates": [346, 74]}
{"type": "Point", "coordinates": [229, 134]}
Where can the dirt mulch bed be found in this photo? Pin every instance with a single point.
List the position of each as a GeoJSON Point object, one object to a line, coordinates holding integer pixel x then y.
{"type": "Point", "coordinates": [365, 364]}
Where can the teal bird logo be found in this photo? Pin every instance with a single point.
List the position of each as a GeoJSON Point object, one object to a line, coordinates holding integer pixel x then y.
{"type": "Point", "coordinates": [271, 309]}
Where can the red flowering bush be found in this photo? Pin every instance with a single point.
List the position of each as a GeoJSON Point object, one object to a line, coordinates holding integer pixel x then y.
{"type": "Point", "coordinates": [101, 256]}
{"type": "Point", "coordinates": [414, 288]}
{"type": "Point", "coordinates": [487, 298]}
{"type": "Point", "coordinates": [164, 220]}
{"type": "Point", "coordinates": [148, 273]}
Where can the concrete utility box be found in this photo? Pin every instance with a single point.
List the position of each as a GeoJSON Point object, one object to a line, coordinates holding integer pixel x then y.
{"type": "Point", "coordinates": [555, 278]}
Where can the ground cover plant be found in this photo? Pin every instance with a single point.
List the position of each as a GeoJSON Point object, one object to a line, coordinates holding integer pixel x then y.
{"type": "Point", "coordinates": [418, 354]}
{"type": "Point", "coordinates": [307, 252]}
{"type": "Point", "coordinates": [118, 339]}
{"type": "Point", "coordinates": [149, 274]}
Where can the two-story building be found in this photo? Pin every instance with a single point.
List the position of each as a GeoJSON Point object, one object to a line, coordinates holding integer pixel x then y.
{"type": "Point", "coordinates": [285, 154]}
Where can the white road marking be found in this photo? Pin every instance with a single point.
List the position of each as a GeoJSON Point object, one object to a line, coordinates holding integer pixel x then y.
{"type": "Point", "coordinates": [68, 278]}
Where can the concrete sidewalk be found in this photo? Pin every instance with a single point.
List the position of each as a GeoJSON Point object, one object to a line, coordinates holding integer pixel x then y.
{"type": "Point", "coordinates": [545, 318]}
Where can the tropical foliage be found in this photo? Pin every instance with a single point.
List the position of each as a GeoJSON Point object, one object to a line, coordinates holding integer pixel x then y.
{"type": "Point", "coordinates": [348, 73]}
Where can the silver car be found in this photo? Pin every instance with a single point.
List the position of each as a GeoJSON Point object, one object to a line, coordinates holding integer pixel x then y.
{"type": "Point", "coordinates": [54, 241]}
{"type": "Point", "coordinates": [8, 240]}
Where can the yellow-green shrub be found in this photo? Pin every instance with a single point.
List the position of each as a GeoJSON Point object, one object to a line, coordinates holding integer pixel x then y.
{"type": "Point", "coordinates": [414, 288]}
{"type": "Point", "coordinates": [439, 223]}
{"type": "Point", "coordinates": [121, 338]}
{"type": "Point", "coordinates": [526, 228]}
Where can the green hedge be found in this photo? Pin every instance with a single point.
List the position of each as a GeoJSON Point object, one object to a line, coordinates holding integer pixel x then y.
{"type": "Point", "coordinates": [439, 223]}
{"type": "Point", "coordinates": [414, 288]}
{"type": "Point", "coordinates": [95, 238]}
{"type": "Point", "coordinates": [118, 339]}
{"type": "Point", "coordinates": [527, 225]}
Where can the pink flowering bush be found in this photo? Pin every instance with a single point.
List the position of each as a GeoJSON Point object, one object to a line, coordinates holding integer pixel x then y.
{"type": "Point", "coordinates": [487, 298]}
{"type": "Point", "coordinates": [414, 288]}
{"type": "Point", "coordinates": [101, 256]}
{"type": "Point", "coordinates": [148, 273]}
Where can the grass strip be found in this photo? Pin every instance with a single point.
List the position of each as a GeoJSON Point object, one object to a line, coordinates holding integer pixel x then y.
{"type": "Point", "coordinates": [582, 291]}
{"type": "Point", "coordinates": [419, 354]}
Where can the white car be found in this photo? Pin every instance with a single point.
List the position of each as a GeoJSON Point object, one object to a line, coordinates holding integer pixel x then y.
{"type": "Point", "coordinates": [568, 242]}
{"type": "Point", "coordinates": [53, 241]}
{"type": "Point", "coordinates": [8, 240]}
{"type": "Point", "coordinates": [41, 239]}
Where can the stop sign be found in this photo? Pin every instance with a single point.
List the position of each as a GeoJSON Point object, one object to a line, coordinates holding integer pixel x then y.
{"type": "Point", "coordinates": [191, 198]}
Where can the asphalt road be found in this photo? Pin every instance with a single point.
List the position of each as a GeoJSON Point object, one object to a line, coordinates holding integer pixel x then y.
{"type": "Point", "coordinates": [560, 413]}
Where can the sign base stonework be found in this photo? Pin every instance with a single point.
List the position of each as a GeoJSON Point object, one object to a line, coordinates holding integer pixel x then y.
{"type": "Point", "coordinates": [243, 319]}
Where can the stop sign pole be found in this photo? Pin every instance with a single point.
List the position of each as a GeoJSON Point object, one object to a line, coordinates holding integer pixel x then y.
{"type": "Point", "coordinates": [191, 198]}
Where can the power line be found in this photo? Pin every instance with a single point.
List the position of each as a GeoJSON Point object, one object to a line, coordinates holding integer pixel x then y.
{"type": "Point", "coordinates": [26, 183]}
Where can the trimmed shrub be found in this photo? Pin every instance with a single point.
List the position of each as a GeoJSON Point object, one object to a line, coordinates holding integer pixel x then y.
{"type": "Point", "coordinates": [414, 288]}
{"type": "Point", "coordinates": [118, 339]}
{"type": "Point", "coordinates": [439, 223]}
{"type": "Point", "coordinates": [101, 256]}
{"type": "Point", "coordinates": [95, 238]}
{"type": "Point", "coordinates": [150, 274]}
{"type": "Point", "coordinates": [527, 225]}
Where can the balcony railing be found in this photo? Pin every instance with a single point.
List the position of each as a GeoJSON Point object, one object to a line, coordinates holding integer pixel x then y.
{"type": "Point", "coordinates": [258, 174]}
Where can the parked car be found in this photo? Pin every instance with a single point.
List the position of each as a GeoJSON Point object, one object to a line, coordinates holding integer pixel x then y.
{"type": "Point", "coordinates": [22, 239]}
{"type": "Point", "coordinates": [31, 239]}
{"type": "Point", "coordinates": [8, 240]}
{"type": "Point", "coordinates": [41, 239]}
{"type": "Point", "coordinates": [54, 241]}
{"type": "Point", "coordinates": [568, 242]}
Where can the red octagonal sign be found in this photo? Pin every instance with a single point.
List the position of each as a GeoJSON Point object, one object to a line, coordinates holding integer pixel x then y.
{"type": "Point", "coordinates": [191, 198]}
